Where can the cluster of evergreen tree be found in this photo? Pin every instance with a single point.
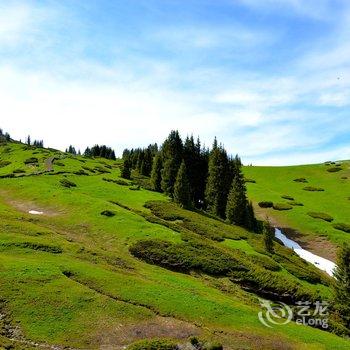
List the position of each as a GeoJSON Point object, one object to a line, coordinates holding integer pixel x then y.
{"type": "Point", "coordinates": [100, 151]}
{"type": "Point", "coordinates": [140, 159]}
{"type": "Point", "coordinates": [194, 176]}
{"type": "Point", "coordinates": [71, 149]}
{"type": "Point", "coordinates": [4, 137]}
{"type": "Point", "coordinates": [35, 143]}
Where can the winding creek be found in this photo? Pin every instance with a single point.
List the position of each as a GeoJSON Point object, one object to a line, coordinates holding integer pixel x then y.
{"type": "Point", "coordinates": [321, 263]}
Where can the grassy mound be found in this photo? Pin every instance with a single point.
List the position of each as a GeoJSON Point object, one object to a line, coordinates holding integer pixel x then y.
{"type": "Point", "coordinates": [67, 183]}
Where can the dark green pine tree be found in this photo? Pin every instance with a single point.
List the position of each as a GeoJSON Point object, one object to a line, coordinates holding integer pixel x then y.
{"type": "Point", "coordinates": [216, 188]}
{"type": "Point", "coordinates": [126, 169]}
{"type": "Point", "coordinates": [146, 166]}
{"type": "Point", "coordinates": [236, 208]}
{"type": "Point", "coordinates": [172, 157]}
{"type": "Point", "coordinates": [250, 221]}
{"type": "Point", "coordinates": [342, 285]}
{"type": "Point", "coordinates": [182, 194]}
{"type": "Point", "coordinates": [156, 174]}
{"type": "Point", "coordinates": [268, 236]}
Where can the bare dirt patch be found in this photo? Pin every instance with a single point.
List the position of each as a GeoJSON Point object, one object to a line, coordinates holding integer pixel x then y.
{"type": "Point", "coordinates": [157, 327]}
{"type": "Point", "coordinates": [26, 205]}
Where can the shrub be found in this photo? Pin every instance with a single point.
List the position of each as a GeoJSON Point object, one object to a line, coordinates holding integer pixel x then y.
{"type": "Point", "coordinates": [285, 196]}
{"type": "Point", "coordinates": [19, 171]}
{"type": "Point", "coordinates": [344, 177]}
{"type": "Point", "coordinates": [135, 188]}
{"type": "Point", "coordinates": [31, 160]}
{"type": "Point", "coordinates": [67, 183]}
{"type": "Point", "coordinates": [300, 179]}
{"type": "Point", "coordinates": [265, 204]}
{"type": "Point", "coordinates": [282, 206]}
{"type": "Point", "coordinates": [213, 346]}
{"type": "Point", "coordinates": [108, 213]}
{"type": "Point", "coordinates": [186, 256]}
{"type": "Point", "coordinates": [59, 164]}
{"type": "Point", "coordinates": [299, 204]}
{"type": "Point", "coordinates": [80, 172]}
{"type": "Point", "coordinates": [249, 181]}
{"type": "Point", "coordinates": [154, 344]}
{"type": "Point", "coordinates": [322, 216]}
{"type": "Point", "coordinates": [266, 262]}
{"type": "Point", "coordinates": [89, 169]}
{"type": "Point", "coordinates": [342, 227]}
{"type": "Point", "coordinates": [313, 189]}
{"type": "Point", "coordinates": [33, 246]}
{"type": "Point", "coordinates": [4, 163]}
{"type": "Point", "coordinates": [334, 169]}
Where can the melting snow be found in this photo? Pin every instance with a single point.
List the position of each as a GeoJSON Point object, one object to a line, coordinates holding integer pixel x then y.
{"type": "Point", "coordinates": [321, 263]}
{"type": "Point", "coordinates": [34, 212]}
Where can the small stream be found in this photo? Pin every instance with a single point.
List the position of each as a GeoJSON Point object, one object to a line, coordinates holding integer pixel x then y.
{"type": "Point", "coordinates": [321, 263]}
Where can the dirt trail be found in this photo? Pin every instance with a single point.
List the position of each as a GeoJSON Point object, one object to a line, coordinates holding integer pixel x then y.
{"type": "Point", "coordinates": [49, 163]}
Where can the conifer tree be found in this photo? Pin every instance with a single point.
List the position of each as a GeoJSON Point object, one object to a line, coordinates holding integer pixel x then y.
{"type": "Point", "coordinates": [216, 188]}
{"type": "Point", "coordinates": [156, 174]}
{"type": "Point", "coordinates": [126, 169]}
{"type": "Point", "coordinates": [182, 194]}
{"type": "Point", "coordinates": [342, 285]}
{"type": "Point", "coordinates": [268, 237]}
{"type": "Point", "coordinates": [250, 221]}
{"type": "Point", "coordinates": [236, 207]}
{"type": "Point", "coordinates": [172, 157]}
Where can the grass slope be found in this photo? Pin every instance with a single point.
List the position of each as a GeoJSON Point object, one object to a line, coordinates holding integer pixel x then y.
{"type": "Point", "coordinates": [274, 183]}
{"type": "Point", "coordinates": [68, 278]}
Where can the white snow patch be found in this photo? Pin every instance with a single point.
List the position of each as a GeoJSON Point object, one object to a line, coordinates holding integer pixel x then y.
{"type": "Point", "coordinates": [321, 263]}
{"type": "Point", "coordinates": [34, 212]}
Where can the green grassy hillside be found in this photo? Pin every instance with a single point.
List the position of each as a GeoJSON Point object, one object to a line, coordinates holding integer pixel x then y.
{"type": "Point", "coordinates": [331, 201]}
{"type": "Point", "coordinates": [74, 277]}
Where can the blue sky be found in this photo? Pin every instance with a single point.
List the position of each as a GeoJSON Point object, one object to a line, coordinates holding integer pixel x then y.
{"type": "Point", "coordinates": [270, 78]}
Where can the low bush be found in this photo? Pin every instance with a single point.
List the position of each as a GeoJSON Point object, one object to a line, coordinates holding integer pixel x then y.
{"type": "Point", "coordinates": [59, 164]}
{"type": "Point", "coordinates": [4, 163]}
{"type": "Point", "coordinates": [334, 169]}
{"type": "Point", "coordinates": [344, 177]}
{"type": "Point", "coordinates": [285, 196]}
{"type": "Point", "coordinates": [135, 188]}
{"type": "Point", "coordinates": [33, 246]}
{"type": "Point", "coordinates": [266, 262]}
{"type": "Point", "coordinates": [108, 213]}
{"type": "Point", "coordinates": [342, 227]}
{"type": "Point", "coordinates": [282, 206]}
{"type": "Point", "coordinates": [80, 172]}
{"type": "Point", "coordinates": [313, 189]}
{"type": "Point", "coordinates": [300, 179]}
{"type": "Point", "coordinates": [187, 256]}
{"type": "Point", "coordinates": [154, 344]}
{"type": "Point", "coordinates": [295, 203]}
{"type": "Point", "coordinates": [67, 183]}
{"type": "Point", "coordinates": [322, 216]}
{"type": "Point", "coordinates": [19, 171]}
{"type": "Point", "coordinates": [31, 160]}
{"type": "Point", "coordinates": [265, 204]}
{"type": "Point", "coordinates": [250, 181]}
{"type": "Point", "coordinates": [101, 170]}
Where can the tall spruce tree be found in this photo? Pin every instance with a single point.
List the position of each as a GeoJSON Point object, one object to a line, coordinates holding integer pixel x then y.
{"type": "Point", "coordinates": [216, 188]}
{"type": "Point", "coordinates": [342, 285]}
{"type": "Point", "coordinates": [269, 235]}
{"type": "Point", "coordinates": [126, 169]}
{"type": "Point", "coordinates": [250, 221]}
{"type": "Point", "coordinates": [172, 157]}
{"type": "Point", "coordinates": [236, 207]}
{"type": "Point", "coordinates": [156, 174]}
{"type": "Point", "coordinates": [182, 194]}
